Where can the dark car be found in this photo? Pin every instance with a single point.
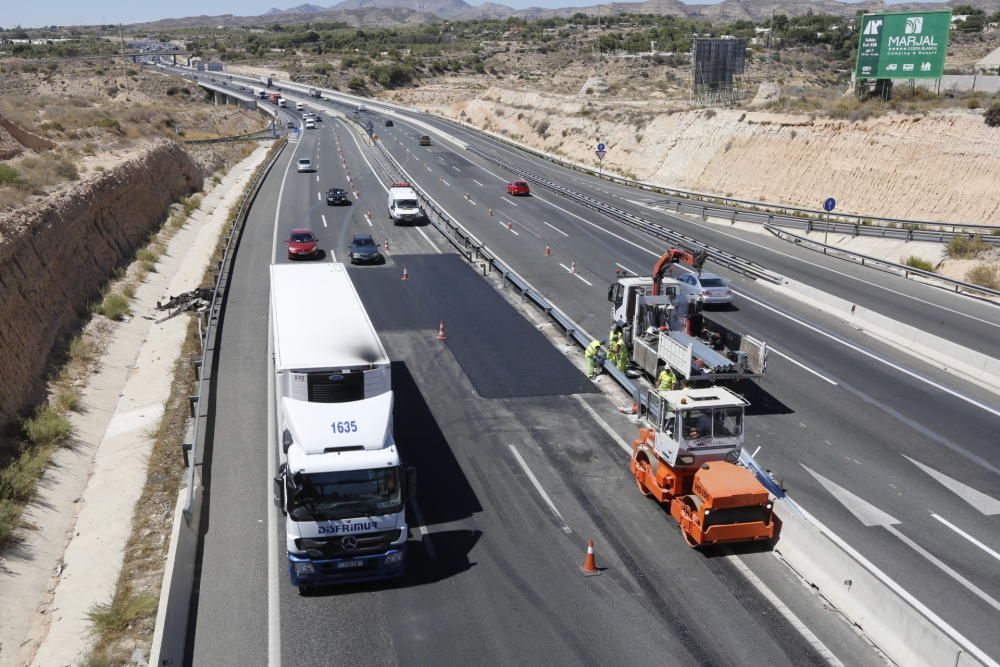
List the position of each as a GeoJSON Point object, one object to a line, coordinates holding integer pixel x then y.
{"type": "Point", "coordinates": [518, 188]}
{"type": "Point", "coordinates": [424, 140]}
{"type": "Point", "coordinates": [302, 243]}
{"type": "Point", "coordinates": [289, 124]}
{"type": "Point", "coordinates": [336, 197]}
{"type": "Point", "coordinates": [388, 122]}
{"type": "Point", "coordinates": [364, 249]}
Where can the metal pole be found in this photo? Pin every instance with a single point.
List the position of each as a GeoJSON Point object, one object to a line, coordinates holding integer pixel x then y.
{"type": "Point", "coordinates": [826, 232]}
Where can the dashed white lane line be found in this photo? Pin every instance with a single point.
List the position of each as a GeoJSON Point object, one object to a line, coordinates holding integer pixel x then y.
{"type": "Point", "coordinates": [509, 229]}
{"type": "Point", "coordinates": [508, 201]}
{"type": "Point", "coordinates": [456, 169]}
{"type": "Point", "coordinates": [626, 269]}
{"type": "Point", "coordinates": [555, 228]}
{"type": "Point", "coordinates": [478, 183]}
{"type": "Point", "coordinates": [575, 275]}
{"type": "Point", "coordinates": [538, 487]}
{"type": "Point", "coordinates": [317, 178]}
{"type": "Point", "coordinates": [801, 365]}
{"type": "Point", "coordinates": [967, 536]}
{"type": "Point", "coordinates": [324, 219]}
{"type": "Point", "coordinates": [446, 182]}
{"type": "Point", "coordinates": [318, 196]}
{"type": "Point", "coordinates": [425, 535]}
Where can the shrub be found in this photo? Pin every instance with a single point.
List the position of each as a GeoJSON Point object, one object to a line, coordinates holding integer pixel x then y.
{"type": "Point", "coordinates": [67, 170]}
{"type": "Point", "coordinates": [172, 90]}
{"type": "Point", "coordinates": [356, 83]}
{"type": "Point", "coordinates": [10, 176]}
{"type": "Point", "coordinates": [47, 427]}
{"type": "Point", "coordinates": [985, 275]}
{"type": "Point", "coordinates": [110, 123]}
{"type": "Point", "coordinates": [114, 307]}
{"type": "Point", "coordinates": [709, 113]}
{"type": "Point", "coordinates": [963, 247]}
{"type": "Point", "coordinates": [113, 617]}
{"type": "Point", "coordinates": [68, 399]}
{"type": "Point", "coordinates": [992, 116]}
{"type": "Point", "coordinates": [919, 263]}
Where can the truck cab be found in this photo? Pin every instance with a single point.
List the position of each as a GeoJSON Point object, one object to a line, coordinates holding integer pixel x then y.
{"type": "Point", "coordinates": [343, 490]}
{"type": "Point", "coordinates": [694, 426]}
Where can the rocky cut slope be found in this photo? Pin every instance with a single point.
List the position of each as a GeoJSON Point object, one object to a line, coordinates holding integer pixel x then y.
{"type": "Point", "coordinates": [56, 254]}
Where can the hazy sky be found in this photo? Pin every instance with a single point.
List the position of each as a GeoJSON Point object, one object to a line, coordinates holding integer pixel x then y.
{"type": "Point", "coordinates": [78, 12]}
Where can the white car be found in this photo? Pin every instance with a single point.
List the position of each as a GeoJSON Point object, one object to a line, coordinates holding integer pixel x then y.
{"type": "Point", "coordinates": [305, 164]}
{"type": "Point", "coordinates": [310, 124]}
{"type": "Point", "coordinates": [712, 289]}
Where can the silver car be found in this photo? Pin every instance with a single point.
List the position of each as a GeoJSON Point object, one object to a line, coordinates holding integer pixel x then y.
{"type": "Point", "coordinates": [712, 288]}
{"type": "Point", "coordinates": [304, 165]}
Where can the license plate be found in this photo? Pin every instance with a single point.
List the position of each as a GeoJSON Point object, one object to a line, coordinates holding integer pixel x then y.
{"type": "Point", "coordinates": [345, 564]}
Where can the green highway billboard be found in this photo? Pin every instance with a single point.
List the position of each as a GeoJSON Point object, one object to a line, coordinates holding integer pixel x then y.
{"type": "Point", "coordinates": [910, 45]}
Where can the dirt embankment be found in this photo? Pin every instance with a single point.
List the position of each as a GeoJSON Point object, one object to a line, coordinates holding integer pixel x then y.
{"type": "Point", "coordinates": [944, 166]}
{"type": "Point", "coordinates": [56, 254]}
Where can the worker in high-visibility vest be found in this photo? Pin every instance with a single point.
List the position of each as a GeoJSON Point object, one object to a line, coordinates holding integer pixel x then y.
{"type": "Point", "coordinates": [590, 354]}
{"type": "Point", "coordinates": [667, 380]}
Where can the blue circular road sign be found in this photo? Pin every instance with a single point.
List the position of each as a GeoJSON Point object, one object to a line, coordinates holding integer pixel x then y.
{"type": "Point", "coordinates": [600, 147]}
{"type": "Point", "coordinates": [829, 204]}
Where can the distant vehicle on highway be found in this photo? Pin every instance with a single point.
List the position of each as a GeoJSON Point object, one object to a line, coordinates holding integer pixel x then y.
{"type": "Point", "coordinates": [305, 165]}
{"type": "Point", "coordinates": [336, 197]}
{"type": "Point", "coordinates": [302, 244]}
{"type": "Point", "coordinates": [310, 124]}
{"type": "Point", "coordinates": [364, 249]}
{"type": "Point", "coordinates": [424, 140]}
{"type": "Point", "coordinates": [290, 124]}
{"type": "Point", "coordinates": [518, 188]}
{"type": "Point", "coordinates": [712, 288]}
{"type": "Point", "coordinates": [403, 204]}
{"type": "Point", "coordinates": [388, 122]}
{"type": "Point", "coordinates": [299, 106]}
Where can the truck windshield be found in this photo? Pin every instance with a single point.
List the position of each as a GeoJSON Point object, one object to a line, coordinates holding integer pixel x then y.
{"type": "Point", "coordinates": [406, 203]}
{"type": "Point", "coordinates": [344, 495]}
{"type": "Point", "coordinates": [728, 422]}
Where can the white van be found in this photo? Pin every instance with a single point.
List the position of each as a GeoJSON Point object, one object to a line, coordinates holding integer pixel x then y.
{"type": "Point", "coordinates": [299, 106]}
{"type": "Point", "coordinates": [403, 204]}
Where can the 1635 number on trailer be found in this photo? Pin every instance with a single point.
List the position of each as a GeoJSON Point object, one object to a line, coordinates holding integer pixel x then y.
{"type": "Point", "coordinates": [350, 426]}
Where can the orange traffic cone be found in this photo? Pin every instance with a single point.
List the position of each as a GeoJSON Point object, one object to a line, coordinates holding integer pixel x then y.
{"type": "Point", "coordinates": [440, 335]}
{"type": "Point", "coordinates": [589, 568]}
{"type": "Point", "coordinates": [491, 215]}
{"type": "Point", "coordinates": [406, 276]}
{"type": "Point", "coordinates": [572, 267]}
{"type": "Point", "coordinates": [548, 251]}
{"type": "Point", "coordinates": [467, 195]}
{"type": "Point", "coordinates": [387, 245]}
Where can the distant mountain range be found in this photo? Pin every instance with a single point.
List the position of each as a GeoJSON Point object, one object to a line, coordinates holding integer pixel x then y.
{"type": "Point", "coordinates": [389, 12]}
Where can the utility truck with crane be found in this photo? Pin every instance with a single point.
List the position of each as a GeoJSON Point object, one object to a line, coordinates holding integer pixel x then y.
{"type": "Point", "coordinates": [663, 324]}
{"type": "Point", "coordinates": [341, 485]}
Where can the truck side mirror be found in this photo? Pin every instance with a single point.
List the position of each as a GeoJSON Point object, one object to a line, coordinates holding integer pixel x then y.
{"type": "Point", "coordinates": [411, 482]}
{"type": "Point", "coordinates": [279, 491]}
{"type": "Point", "coordinates": [611, 293]}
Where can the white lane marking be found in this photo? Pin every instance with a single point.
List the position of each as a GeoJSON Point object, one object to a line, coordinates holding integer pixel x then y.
{"type": "Point", "coordinates": [324, 219]}
{"type": "Point", "coordinates": [317, 179]}
{"type": "Point", "coordinates": [544, 222]}
{"type": "Point", "coordinates": [472, 202]}
{"type": "Point", "coordinates": [801, 365]}
{"type": "Point", "coordinates": [983, 503]}
{"type": "Point", "coordinates": [425, 535]}
{"type": "Point", "coordinates": [831, 270]}
{"type": "Point", "coordinates": [317, 195]}
{"type": "Point", "coordinates": [456, 169]}
{"type": "Point", "coordinates": [783, 609]}
{"type": "Point", "coordinates": [273, 594]}
{"type": "Point", "coordinates": [575, 275]}
{"type": "Point", "coordinates": [508, 200]}
{"type": "Point", "coordinates": [603, 424]}
{"type": "Point", "coordinates": [446, 182]}
{"type": "Point", "coordinates": [971, 587]}
{"type": "Point", "coordinates": [369, 221]}
{"type": "Point", "coordinates": [509, 229]}
{"type": "Point", "coordinates": [967, 536]}
{"type": "Point", "coordinates": [538, 487]}
{"type": "Point", "coordinates": [626, 269]}
{"type": "Point", "coordinates": [478, 183]}
{"type": "Point", "coordinates": [873, 356]}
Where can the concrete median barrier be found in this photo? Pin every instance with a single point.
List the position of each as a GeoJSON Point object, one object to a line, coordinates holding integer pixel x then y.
{"type": "Point", "coordinates": [899, 625]}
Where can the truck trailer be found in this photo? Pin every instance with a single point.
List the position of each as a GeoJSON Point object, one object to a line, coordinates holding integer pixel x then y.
{"type": "Point", "coordinates": [341, 485]}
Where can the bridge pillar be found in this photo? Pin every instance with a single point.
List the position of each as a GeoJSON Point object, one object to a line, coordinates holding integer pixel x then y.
{"type": "Point", "coordinates": [174, 58]}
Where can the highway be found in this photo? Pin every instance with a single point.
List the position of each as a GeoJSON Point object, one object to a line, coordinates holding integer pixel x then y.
{"type": "Point", "coordinates": [515, 475]}
{"type": "Point", "coordinates": [866, 438]}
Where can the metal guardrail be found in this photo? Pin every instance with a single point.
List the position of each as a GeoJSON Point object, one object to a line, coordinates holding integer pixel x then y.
{"type": "Point", "coordinates": [881, 264]}
{"type": "Point", "coordinates": [259, 135]}
{"type": "Point", "coordinates": [720, 257]}
{"type": "Point", "coordinates": [199, 407]}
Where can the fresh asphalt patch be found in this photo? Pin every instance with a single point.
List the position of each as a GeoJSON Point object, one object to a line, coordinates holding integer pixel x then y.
{"type": "Point", "coordinates": [503, 355]}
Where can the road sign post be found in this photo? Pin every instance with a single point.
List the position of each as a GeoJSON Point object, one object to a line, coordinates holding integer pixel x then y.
{"type": "Point", "coordinates": [600, 152]}
{"type": "Point", "coordinates": [828, 206]}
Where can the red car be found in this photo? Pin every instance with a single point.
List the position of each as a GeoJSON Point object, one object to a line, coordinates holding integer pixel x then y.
{"type": "Point", "coordinates": [518, 188]}
{"type": "Point", "coordinates": [302, 243]}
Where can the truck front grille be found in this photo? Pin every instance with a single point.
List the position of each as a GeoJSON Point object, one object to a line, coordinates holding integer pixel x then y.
{"type": "Point", "coordinates": [333, 547]}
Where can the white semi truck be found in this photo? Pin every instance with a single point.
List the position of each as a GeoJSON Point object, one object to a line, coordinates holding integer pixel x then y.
{"type": "Point", "coordinates": [341, 485]}
{"type": "Point", "coordinates": [403, 204]}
